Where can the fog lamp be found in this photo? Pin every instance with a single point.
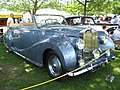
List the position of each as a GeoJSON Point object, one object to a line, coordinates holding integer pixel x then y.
{"type": "Point", "coordinates": [96, 53]}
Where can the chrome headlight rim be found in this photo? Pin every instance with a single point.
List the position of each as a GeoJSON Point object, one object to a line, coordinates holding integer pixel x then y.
{"type": "Point", "coordinates": [104, 39]}
{"type": "Point", "coordinates": [80, 43]}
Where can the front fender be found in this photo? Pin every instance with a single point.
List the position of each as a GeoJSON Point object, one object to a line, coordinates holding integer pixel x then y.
{"type": "Point", "coordinates": [62, 46]}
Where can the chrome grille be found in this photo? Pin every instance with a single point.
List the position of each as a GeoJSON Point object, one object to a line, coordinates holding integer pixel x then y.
{"type": "Point", "coordinates": [91, 43]}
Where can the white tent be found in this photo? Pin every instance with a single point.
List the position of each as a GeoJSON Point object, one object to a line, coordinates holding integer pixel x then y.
{"type": "Point", "coordinates": [27, 15]}
{"type": "Point", "coordinates": [51, 11]}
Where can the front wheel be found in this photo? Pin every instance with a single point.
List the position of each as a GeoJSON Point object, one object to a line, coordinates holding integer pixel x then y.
{"type": "Point", "coordinates": [54, 65]}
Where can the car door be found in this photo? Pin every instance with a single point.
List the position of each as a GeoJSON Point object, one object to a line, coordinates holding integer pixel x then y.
{"type": "Point", "coordinates": [23, 38]}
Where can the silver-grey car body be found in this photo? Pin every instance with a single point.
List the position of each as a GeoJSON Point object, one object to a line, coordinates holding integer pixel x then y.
{"type": "Point", "coordinates": [50, 41]}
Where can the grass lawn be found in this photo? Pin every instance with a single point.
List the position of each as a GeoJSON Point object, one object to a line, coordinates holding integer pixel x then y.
{"type": "Point", "coordinates": [17, 73]}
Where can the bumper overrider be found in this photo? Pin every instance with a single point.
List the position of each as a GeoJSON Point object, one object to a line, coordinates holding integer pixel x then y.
{"type": "Point", "coordinates": [101, 60]}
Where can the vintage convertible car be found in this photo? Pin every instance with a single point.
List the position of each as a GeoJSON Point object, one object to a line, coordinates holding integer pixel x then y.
{"type": "Point", "coordinates": [50, 41]}
{"type": "Point", "coordinates": [82, 21]}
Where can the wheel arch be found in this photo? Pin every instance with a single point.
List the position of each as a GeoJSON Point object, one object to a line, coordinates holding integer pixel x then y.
{"type": "Point", "coordinates": [64, 50]}
{"type": "Point", "coordinates": [45, 53]}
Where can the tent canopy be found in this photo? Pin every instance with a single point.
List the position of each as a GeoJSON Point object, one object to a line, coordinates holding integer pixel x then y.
{"type": "Point", "coordinates": [51, 11]}
{"type": "Point", "coordinates": [6, 14]}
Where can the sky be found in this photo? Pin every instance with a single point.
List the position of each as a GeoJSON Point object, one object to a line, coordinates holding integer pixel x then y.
{"type": "Point", "coordinates": [65, 1]}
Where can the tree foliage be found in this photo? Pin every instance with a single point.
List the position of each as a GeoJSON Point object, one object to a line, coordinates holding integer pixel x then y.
{"type": "Point", "coordinates": [73, 8]}
{"type": "Point", "coordinates": [116, 7]}
{"type": "Point", "coordinates": [53, 4]}
{"type": "Point", "coordinates": [77, 7]}
{"type": "Point", "coordinates": [94, 7]}
{"type": "Point", "coordinates": [25, 5]}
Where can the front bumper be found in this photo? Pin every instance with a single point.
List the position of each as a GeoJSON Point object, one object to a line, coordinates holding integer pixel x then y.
{"type": "Point", "coordinates": [102, 60]}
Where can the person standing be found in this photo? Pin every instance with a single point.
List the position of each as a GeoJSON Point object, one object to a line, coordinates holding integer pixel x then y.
{"type": "Point", "coordinates": [104, 27]}
{"type": "Point", "coordinates": [115, 20]}
{"type": "Point", "coordinates": [116, 38]}
{"type": "Point", "coordinates": [116, 34]}
{"type": "Point", "coordinates": [10, 20]}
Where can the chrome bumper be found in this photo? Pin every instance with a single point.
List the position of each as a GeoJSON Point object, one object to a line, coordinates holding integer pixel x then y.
{"type": "Point", "coordinates": [91, 67]}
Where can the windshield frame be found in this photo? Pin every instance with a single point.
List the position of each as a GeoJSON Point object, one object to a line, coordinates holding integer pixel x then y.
{"type": "Point", "coordinates": [64, 22]}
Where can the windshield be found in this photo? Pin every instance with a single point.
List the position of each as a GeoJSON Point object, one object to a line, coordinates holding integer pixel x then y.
{"type": "Point", "coordinates": [43, 20]}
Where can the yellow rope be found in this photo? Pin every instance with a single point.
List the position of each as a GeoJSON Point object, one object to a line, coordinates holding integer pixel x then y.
{"type": "Point", "coordinates": [48, 81]}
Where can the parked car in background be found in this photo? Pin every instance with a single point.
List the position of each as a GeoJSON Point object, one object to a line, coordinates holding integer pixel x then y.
{"type": "Point", "coordinates": [82, 21]}
{"type": "Point", "coordinates": [50, 41]}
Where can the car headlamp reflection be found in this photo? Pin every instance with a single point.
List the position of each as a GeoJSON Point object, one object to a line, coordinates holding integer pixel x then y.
{"type": "Point", "coordinates": [80, 44]}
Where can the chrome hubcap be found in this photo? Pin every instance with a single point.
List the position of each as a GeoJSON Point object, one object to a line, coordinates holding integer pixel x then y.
{"type": "Point", "coordinates": [54, 66]}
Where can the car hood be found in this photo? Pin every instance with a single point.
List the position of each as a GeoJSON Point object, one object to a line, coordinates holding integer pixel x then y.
{"type": "Point", "coordinates": [66, 30]}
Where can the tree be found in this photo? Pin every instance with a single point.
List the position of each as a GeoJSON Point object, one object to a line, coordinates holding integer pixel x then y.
{"type": "Point", "coordinates": [90, 7]}
{"type": "Point", "coordinates": [73, 8]}
{"type": "Point", "coordinates": [116, 6]}
{"type": "Point", "coordinates": [84, 3]}
{"type": "Point", "coordinates": [4, 4]}
{"type": "Point", "coordinates": [85, 7]}
{"type": "Point", "coordinates": [99, 7]}
{"type": "Point", "coordinates": [25, 5]}
{"type": "Point", "coordinates": [94, 6]}
{"type": "Point", "coordinates": [53, 4]}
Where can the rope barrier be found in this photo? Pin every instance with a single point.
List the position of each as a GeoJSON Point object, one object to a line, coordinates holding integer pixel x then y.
{"type": "Point", "coordinates": [48, 81]}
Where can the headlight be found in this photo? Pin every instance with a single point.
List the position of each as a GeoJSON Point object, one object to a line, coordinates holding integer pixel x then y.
{"type": "Point", "coordinates": [96, 53]}
{"type": "Point", "coordinates": [104, 39]}
{"type": "Point", "coordinates": [80, 44]}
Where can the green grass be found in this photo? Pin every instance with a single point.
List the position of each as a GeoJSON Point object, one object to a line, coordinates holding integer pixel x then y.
{"type": "Point", "coordinates": [17, 73]}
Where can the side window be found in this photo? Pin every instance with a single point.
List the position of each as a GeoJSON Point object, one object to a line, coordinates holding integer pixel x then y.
{"type": "Point", "coordinates": [77, 21]}
{"type": "Point", "coordinates": [74, 21]}
{"type": "Point", "coordinates": [88, 21]}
